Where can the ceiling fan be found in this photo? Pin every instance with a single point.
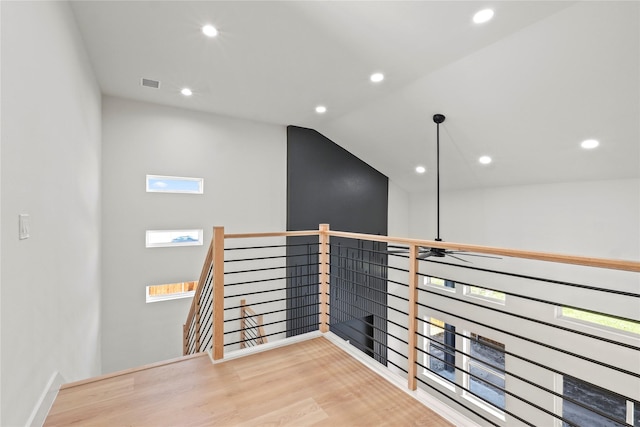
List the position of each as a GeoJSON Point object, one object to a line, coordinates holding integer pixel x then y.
{"type": "Point", "coordinates": [426, 252]}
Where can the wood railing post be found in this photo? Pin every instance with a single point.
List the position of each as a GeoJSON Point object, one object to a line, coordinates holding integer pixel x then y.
{"type": "Point", "coordinates": [198, 316]}
{"type": "Point", "coordinates": [243, 323]}
{"type": "Point", "coordinates": [413, 317]}
{"type": "Point", "coordinates": [185, 346]}
{"type": "Point", "coordinates": [217, 324]}
{"type": "Point", "coordinates": [324, 277]}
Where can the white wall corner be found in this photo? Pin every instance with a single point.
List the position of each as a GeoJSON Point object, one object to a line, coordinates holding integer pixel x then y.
{"type": "Point", "coordinates": [43, 405]}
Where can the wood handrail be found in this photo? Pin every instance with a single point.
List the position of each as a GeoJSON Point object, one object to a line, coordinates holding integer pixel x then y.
{"type": "Point", "coordinates": [612, 264]}
{"type": "Point", "coordinates": [216, 250]}
{"type": "Point", "coordinates": [201, 280]}
{"type": "Point", "coordinates": [272, 234]}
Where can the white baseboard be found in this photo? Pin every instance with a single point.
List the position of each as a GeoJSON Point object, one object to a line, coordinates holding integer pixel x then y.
{"type": "Point", "coordinates": [42, 407]}
{"type": "Point", "coordinates": [234, 354]}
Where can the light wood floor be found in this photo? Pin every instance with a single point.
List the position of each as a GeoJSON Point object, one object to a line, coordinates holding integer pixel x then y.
{"type": "Point", "coordinates": [309, 383]}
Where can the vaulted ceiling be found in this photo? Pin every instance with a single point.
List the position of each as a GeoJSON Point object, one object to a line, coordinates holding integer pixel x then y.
{"type": "Point", "coordinates": [524, 88]}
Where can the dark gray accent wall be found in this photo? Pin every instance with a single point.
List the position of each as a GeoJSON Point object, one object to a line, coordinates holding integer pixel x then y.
{"type": "Point", "coordinates": [327, 184]}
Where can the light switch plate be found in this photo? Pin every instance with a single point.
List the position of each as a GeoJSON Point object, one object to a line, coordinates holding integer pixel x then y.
{"type": "Point", "coordinates": [24, 226]}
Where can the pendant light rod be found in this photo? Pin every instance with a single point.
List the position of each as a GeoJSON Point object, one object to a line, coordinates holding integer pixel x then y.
{"type": "Point", "coordinates": [438, 118]}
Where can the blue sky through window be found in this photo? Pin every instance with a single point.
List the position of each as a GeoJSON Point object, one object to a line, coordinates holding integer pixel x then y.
{"type": "Point", "coordinates": [169, 184]}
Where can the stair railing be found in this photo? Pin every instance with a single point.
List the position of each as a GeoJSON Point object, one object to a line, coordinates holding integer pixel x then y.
{"type": "Point", "coordinates": [251, 327]}
{"type": "Point", "coordinates": [443, 314]}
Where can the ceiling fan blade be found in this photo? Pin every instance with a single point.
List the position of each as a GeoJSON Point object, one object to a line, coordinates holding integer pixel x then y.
{"type": "Point", "coordinates": [478, 255]}
{"type": "Point", "coordinates": [426, 254]}
{"type": "Point", "coordinates": [455, 257]}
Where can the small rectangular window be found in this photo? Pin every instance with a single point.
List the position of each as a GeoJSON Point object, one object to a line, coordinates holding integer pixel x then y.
{"type": "Point", "coordinates": [174, 184]}
{"type": "Point", "coordinates": [166, 238]}
{"type": "Point", "coordinates": [443, 283]}
{"type": "Point", "coordinates": [487, 294]}
{"type": "Point", "coordinates": [601, 320]}
{"type": "Point", "coordinates": [595, 398]}
{"type": "Point", "coordinates": [171, 291]}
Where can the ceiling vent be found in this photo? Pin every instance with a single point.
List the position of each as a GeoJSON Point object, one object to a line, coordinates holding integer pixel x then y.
{"type": "Point", "coordinates": [151, 83]}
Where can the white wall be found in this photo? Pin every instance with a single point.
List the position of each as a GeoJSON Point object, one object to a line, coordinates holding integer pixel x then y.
{"type": "Point", "coordinates": [244, 169]}
{"type": "Point", "coordinates": [398, 213]}
{"type": "Point", "coordinates": [50, 169]}
{"type": "Point", "coordinates": [592, 218]}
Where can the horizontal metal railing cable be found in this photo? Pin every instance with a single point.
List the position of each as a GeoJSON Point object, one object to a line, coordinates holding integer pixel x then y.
{"type": "Point", "coordinates": [271, 312]}
{"type": "Point", "coordinates": [529, 277]}
{"type": "Point", "coordinates": [265, 335]}
{"type": "Point", "coordinates": [271, 279]}
{"type": "Point", "coordinates": [270, 290]}
{"type": "Point", "coordinates": [356, 275]}
{"type": "Point", "coordinates": [469, 391]}
{"type": "Point", "coordinates": [271, 301]}
{"type": "Point", "coordinates": [371, 276]}
{"type": "Point", "coordinates": [373, 338]}
{"type": "Point", "coordinates": [269, 324]}
{"type": "Point", "coordinates": [612, 264]}
{"type": "Point", "coordinates": [266, 258]}
{"type": "Point", "coordinates": [459, 403]}
{"type": "Point", "coordinates": [391, 267]}
{"type": "Point", "coordinates": [244, 248]}
{"type": "Point", "coordinates": [540, 322]}
{"type": "Point", "coordinates": [374, 301]}
{"type": "Point", "coordinates": [451, 348]}
{"type": "Point", "coordinates": [548, 346]}
{"type": "Point", "coordinates": [267, 269]}
{"type": "Point", "coordinates": [540, 300]}
{"type": "Point", "coordinates": [358, 344]}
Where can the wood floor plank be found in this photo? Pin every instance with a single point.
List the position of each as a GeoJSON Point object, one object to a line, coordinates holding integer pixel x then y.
{"type": "Point", "coordinates": [307, 383]}
{"type": "Point", "coordinates": [304, 412]}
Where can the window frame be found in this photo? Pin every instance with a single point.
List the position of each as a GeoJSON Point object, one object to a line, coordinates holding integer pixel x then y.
{"type": "Point", "coordinates": [631, 406]}
{"type": "Point", "coordinates": [560, 315]}
{"type": "Point", "coordinates": [468, 291]}
{"type": "Point", "coordinates": [467, 361]}
{"type": "Point", "coordinates": [149, 188]}
{"type": "Point", "coordinates": [171, 296]}
{"type": "Point", "coordinates": [427, 371]}
{"type": "Point", "coordinates": [198, 242]}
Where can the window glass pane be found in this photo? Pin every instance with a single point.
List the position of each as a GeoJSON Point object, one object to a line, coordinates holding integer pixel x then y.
{"type": "Point", "coordinates": [487, 367]}
{"type": "Point", "coordinates": [636, 414]}
{"type": "Point", "coordinates": [486, 293]}
{"type": "Point", "coordinates": [602, 320]}
{"type": "Point", "coordinates": [594, 397]}
{"type": "Point", "coordinates": [164, 238]}
{"type": "Point", "coordinates": [441, 349]}
{"type": "Point", "coordinates": [174, 184]}
{"type": "Point", "coordinates": [171, 291]}
{"type": "Point", "coordinates": [436, 281]}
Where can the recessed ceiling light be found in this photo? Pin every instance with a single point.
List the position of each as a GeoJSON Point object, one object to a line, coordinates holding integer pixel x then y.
{"type": "Point", "coordinates": [209, 30]}
{"type": "Point", "coordinates": [321, 109]}
{"type": "Point", "coordinates": [485, 160]}
{"type": "Point", "coordinates": [186, 91]}
{"type": "Point", "coordinates": [589, 144]}
{"type": "Point", "coordinates": [421, 169]}
{"type": "Point", "coordinates": [377, 77]}
{"type": "Point", "coordinates": [483, 16]}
